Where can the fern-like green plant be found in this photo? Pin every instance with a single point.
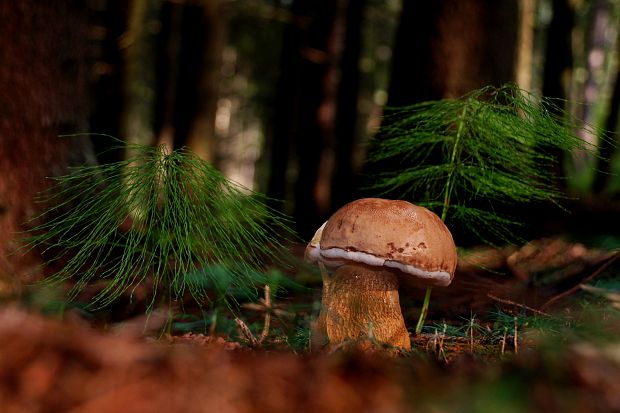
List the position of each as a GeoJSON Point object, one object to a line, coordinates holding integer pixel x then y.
{"type": "Point", "coordinates": [169, 217]}
{"type": "Point", "coordinates": [464, 158]}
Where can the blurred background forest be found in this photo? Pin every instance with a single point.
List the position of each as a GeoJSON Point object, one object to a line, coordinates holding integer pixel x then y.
{"type": "Point", "coordinates": [283, 95]}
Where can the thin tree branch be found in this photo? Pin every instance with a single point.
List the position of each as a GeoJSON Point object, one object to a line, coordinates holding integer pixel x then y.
{"type": "Point", "coordinates": [525, 307]}
{"type": "Point", "coordinates": [577, 287]}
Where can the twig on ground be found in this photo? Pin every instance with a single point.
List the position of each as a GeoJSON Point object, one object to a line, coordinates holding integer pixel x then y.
{"type": "Point", "coordinates": [441, 351]}
{"type": "Point", "coordinates": [265, 305]}
{"type": "Point", "coordinates": [246, 332]}
{"type": "Point", "coordinates": [525, 307]}
{"type": "Point", "coordinates": [577, 287]}
{"type": "Point", "coordinates": [471, 334]}
{"type": "Point", "coordinates": [516, 337]}
{"type": "Point", "coordinates": [268, 309]}
{"type": "Point", "coordinates": [504, 338]}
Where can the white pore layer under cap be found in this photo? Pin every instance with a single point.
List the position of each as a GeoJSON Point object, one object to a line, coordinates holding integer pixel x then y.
{"type": "Point", "coordinates": [337, 255]}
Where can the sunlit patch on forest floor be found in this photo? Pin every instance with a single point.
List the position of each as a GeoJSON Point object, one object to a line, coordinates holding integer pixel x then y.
{"type": "Point", "coordinates": [522, 329]}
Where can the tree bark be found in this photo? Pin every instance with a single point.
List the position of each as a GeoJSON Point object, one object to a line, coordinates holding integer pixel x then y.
{"type": "Point", "coordinates": [301, 116]}
{"type": "Point", "coordinates": [445, 49]}
{"type": "Point", "coordinates": [188, 57]}
{"type": "Point", "coordinates": [344, 178]}
{"type": "Point", "coordinates": [43, 79]}
{"type": "Point", "coordinates": [607, 146]}
{"type": "Point", "coordinates": [558, 52]}
{"type": "Point", "coordinates": [204, 89]}
{"type": "Point", "coordinates": [108, 22]}
{"type": "Point", "coordinates": [138, 45]}
{"type": "Point", "coordinates": [448, 48]}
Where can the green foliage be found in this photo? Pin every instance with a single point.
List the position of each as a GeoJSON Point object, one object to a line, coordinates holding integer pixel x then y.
{"type": "Point", "coordinates": [166, 217]}
{"type": "Point", "coordinates": [464, 158]}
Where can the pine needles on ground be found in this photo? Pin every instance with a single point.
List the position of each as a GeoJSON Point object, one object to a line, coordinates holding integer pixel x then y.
{"type": "Point", "coordinates": [465, 157]}
{"type": "Point", "coordinates": [167, 217]}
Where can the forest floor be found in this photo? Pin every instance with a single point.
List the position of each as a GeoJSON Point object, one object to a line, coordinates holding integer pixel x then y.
{"type": "Point", "coordinates": [534, 328]}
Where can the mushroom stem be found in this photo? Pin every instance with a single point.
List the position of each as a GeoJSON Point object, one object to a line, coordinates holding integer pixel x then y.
{"type": "Point", "coordinates": [427, 299]}
{"type": "Point", "coordinates": [361, 301]}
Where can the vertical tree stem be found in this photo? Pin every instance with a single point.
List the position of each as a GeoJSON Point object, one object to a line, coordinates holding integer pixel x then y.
{"type": "Point", "coordinates": [268, 309]}
{"type": "Point", "coordinates": [444, 212]}
{"type": "Point", "coordinates": [450, 181]}
{"type": "Point", "coordinates": [427, 299]}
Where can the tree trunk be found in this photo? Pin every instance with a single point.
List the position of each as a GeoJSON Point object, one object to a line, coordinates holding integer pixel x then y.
{"type": "Point", "coordinates": [445, 49]}
{"type": "Point", "coordinates": [607, 146]}
{"type": "Point", "coordinates": [188, 57]}
{"type": "Point", "coordinates": [138, 45]}
{"type": "Point", "coordinates": [43, 79]}
{"type": "Point", "coordinates": [204, 91]}
{"type": "Point", "coordinates": [558, 52]}
{"type": "Point", "coordinates": [302, 116]}
{"type": "Point", "coordinates": [344, 178]}
{"type": "Point", "coordinates": [107, 21]}
{"type": "Point", "coordinates": [448, 48]}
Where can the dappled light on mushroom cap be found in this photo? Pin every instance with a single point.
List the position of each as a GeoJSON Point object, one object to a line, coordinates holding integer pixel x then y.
{"type": "Point", "coordinates": [390, 233]}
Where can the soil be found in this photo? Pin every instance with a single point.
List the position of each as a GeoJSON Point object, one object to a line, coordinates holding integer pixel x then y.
{"type": "Point", "coordinates": [69, 365]}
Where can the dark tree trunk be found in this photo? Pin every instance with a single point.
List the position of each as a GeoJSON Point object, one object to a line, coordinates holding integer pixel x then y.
{"type": "Point", "coordinates": [139, 46]}
{"type": "Point", "coordinates": [187, 76]}
{"type": "Point", "coordinates": [558, 61]}
{"type": "Point", "coordinates": [43, 79]}
{"type": "Point", "coordinates": [344, 179]}
{"type": "Point", "coordinates": [445, 49]}
{"type": "Point", "coordinates": [300, 123]}
{"type": "Point", "coordinates": [413, 74]}
{"type": "Point", "coordinates": [166, 64]}
{"type": "Point", "coordinates": [558, 52]}
{"type": "Point", "coordinates": [280, 142]}
{"type": "Point", "coordinates": [607, 146]}
{"type": "Point", "coordinates": [448, 48]}
{"type": "Point", "coordinates": [108, 21]}
{"type": "Point", "coordinates": [200, 76]}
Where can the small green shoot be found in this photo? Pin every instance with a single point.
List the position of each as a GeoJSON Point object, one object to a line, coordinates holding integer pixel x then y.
{"type": "Point", "coordinates": [166, 217]}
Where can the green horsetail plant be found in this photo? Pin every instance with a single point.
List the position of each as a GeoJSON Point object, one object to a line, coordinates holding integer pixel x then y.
{"type": "Point", "coordinates": [463, 158]}
{"type": "Point", "coordinates": [167, 217]}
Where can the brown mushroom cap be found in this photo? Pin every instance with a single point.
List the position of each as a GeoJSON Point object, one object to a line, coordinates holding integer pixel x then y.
{"type": "Point", "coordinates": [391, 233]}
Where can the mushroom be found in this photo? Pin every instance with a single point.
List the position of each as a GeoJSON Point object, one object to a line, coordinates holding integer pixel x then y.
{"type": "Point", "coordinates": [372, 245]}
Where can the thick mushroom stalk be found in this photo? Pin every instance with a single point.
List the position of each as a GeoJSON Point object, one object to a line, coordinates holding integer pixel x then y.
{"type": "Point", "coordinates": [361, 301]}
{"type": "Point", "coordinates": [371, 245]}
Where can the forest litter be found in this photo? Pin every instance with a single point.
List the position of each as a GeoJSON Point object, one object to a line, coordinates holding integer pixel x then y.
{"type": "Point", "coordinates": [504, 354]}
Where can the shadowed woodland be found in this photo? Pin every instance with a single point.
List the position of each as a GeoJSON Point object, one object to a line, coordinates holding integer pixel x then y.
{"type": "Point", "coordinates": [164, 165]}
